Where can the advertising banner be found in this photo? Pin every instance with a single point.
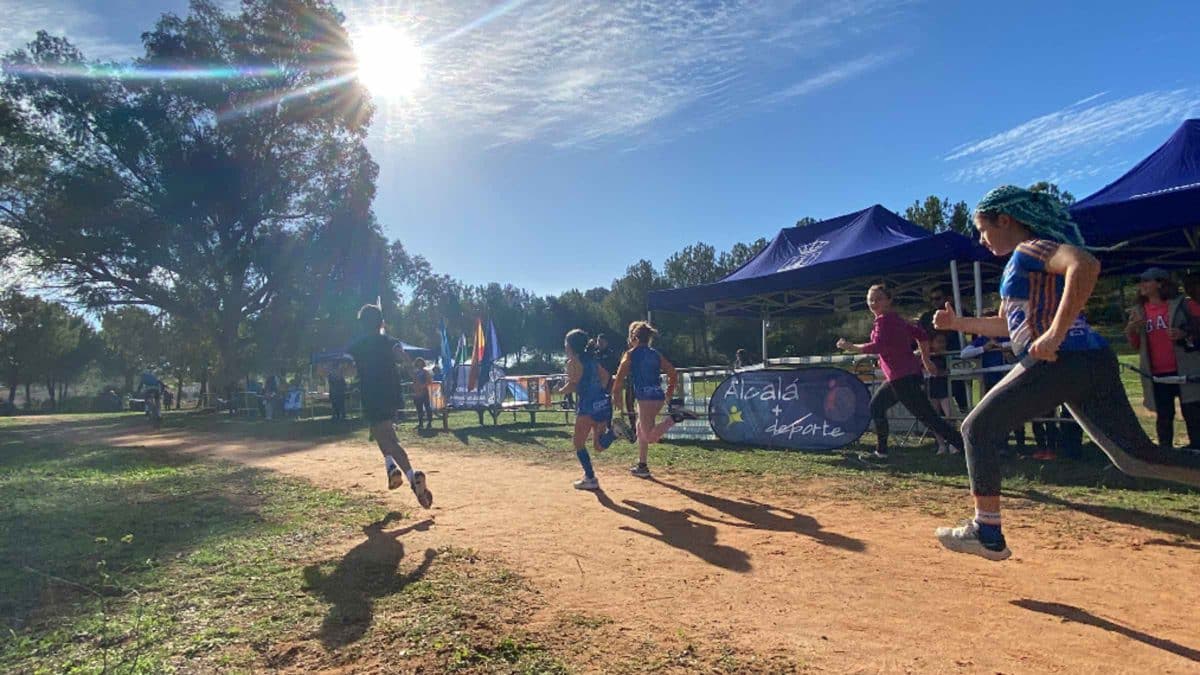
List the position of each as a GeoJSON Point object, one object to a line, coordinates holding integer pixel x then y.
{"type": "Point", "coordinates": [805, 409]}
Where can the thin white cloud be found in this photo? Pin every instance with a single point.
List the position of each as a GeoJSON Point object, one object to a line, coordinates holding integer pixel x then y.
{"type": "Point", "coordinates": [20, 20]}
{"type": "Point", "coordinates": [832, 76]}
{"type": "Point", "coordinates": [584, 72]}
{"type": "Point", "coordinates": [1071, 141]}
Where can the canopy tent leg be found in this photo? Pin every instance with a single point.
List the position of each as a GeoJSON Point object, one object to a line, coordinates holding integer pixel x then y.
{"type": "Point", "coordinates": [978, 288]}
{"type": "Point", "coordinates": [957, 295]}
{"type": "Point", "coordinates": [764, 340]}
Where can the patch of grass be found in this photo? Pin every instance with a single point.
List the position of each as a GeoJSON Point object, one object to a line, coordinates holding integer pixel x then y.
{"type": "Point", "coordinates": [129, 560]}
{"type": "Point", "coordinates": [125, 559]}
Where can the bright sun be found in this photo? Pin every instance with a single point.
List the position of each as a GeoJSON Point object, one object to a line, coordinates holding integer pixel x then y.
{"type": "Point", "coordinates": [389, 64]}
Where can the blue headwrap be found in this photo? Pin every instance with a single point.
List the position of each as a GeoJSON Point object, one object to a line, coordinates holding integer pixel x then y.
{"type": "Point", "coordinates": [1041, 212]}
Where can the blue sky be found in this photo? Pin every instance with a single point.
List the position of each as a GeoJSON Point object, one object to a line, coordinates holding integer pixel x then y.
{"type": "Point", "coordinates": [552, 143]}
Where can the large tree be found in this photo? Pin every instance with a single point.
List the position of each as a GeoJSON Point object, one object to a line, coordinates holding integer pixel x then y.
{"type": "Point", "coordinates": [194, 178]}
{"type": "Point", "coordinates": [134, 340]}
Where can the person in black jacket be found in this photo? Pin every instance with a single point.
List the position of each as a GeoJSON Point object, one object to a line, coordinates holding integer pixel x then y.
{"type": "Point", "coordinates": [379, 385]}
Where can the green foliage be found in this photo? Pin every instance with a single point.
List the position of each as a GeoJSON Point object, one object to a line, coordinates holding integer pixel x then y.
{"type": "Point", "coordinates": [43, 342]}
{"type": "Point", "coordinates": [156, 192]}
{"type": "Point", "coordinates": [939, 214]}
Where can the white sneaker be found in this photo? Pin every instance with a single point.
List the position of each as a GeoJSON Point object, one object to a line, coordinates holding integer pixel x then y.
{"type": "Point", "coordinates": [395, 476]}
{"type": "Point", "coordinates": [421, 489]}
{"type": "Point", "coordinates": [965, 539]}
{"type": "Point", "coordinates": [943, 451]}
{"type": "Point", "coordinates": [586, 483]}
{"type": "Point", "coordinates": [640, 470]}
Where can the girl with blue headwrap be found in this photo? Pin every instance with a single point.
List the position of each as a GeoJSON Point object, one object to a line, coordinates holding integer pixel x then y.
{"type": "Point", "coordinates": [1044, 288]}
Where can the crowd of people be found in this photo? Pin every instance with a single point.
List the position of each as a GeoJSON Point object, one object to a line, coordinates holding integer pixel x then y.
{"type": "Point", "coordinates": [1060, 360]}
{"type": "Point", "coordinates": [1041, 362]}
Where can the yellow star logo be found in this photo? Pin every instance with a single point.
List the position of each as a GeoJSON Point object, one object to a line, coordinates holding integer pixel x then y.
{"type": "Point", "coordinates": [735, 416]}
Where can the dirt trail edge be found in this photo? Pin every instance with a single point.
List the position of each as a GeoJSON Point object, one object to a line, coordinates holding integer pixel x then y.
{"type": "Point", "coordinates": [833, 585]}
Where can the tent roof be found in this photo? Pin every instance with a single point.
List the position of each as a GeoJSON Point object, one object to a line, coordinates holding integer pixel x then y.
{"type": "Point", "coordinates": [799, 271]}
{"type": "Point", "coordinates": [1153, 210]}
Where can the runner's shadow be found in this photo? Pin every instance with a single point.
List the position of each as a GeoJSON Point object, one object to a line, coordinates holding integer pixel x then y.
{"type": "Point", "coordinates": [676, 529]}
{"type": "Point", "coordinates": [369, 571]}
{"type": "Point", "coordinates": [1116, 514]}
{"type": "Point", "coordinates": [1070, 613]}
{"type": "Point", "coordinates": [759, 516]}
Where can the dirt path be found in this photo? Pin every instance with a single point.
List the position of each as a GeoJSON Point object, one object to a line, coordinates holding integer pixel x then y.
{"type": "Point", "coordinates": [832, 585]}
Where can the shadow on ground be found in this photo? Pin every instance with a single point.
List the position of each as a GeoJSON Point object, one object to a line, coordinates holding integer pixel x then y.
{"type": "Point", "coordinates": [369, 571]}
{"type": "Point", "coordinates": [753, 514]}
{"type": "Point", "coordinates": [677, 529]}
{"type": "Point", "coordinates": [1072, 613]}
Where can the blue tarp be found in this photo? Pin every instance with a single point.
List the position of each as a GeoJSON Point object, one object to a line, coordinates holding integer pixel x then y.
{"type": "Point", "coordinates": [872, 242]}
{"type": "Point", "coordinates": [1155, 207]}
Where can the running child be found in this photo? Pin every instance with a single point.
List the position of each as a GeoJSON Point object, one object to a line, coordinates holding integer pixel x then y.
{"type": "Point", "coordinates": [891, 341]}
{"type": "Point", "coordinates": [588, 381]}
{"type": "Point", "coordinates": [644, 366]}
{"type": "Point", "coordinates": [380, 388]}
{"type": "Point", "coordinates": [1044, 288]}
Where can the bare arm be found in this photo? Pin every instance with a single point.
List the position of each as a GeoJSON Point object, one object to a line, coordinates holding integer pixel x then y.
{"type": "Point", "coordinates": [923, 348]}
{"type": "Point", "coordinates": [574, 375]}
{"type": "Point", "coordinates": [621, 376]}
{"type": "Point", "coordinates": [991, 326]}
{"type": "Point", "coordinates": [1079, 270]}
{"type": "Point", "coordinates": [672, 376]}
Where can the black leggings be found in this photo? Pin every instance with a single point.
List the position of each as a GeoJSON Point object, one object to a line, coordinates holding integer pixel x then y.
{"type": "Point", "coordinates": [908, 390]}
{"type": "Point", "coordinates": [424, 410]}
{"type": "Point", "coordinates": [1164, 406]}
{"type": "Point", "coordinates": [1089, 383]}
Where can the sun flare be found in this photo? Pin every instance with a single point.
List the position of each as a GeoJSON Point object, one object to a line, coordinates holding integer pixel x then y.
{"type": "Point", "coordinates": [390, 65]}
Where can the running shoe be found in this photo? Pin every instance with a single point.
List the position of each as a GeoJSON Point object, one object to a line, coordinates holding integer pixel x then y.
{"type": "Point", "coordinates": [395, 477]}
{"type": "Point", "coordinates": [586, 483]}
{"type": "Point", "coordinates": [678, 412]}
{"type": "Point", "coordinates": [965, 539]}
{"type": "Point", "coordinates": [640, 470]}
{"type": "Point", "coordinates": [424, 496]}
{"type": "Point", "coordinates": [622, 429]}
{"type": "Point", "coordinates": [606, 439]}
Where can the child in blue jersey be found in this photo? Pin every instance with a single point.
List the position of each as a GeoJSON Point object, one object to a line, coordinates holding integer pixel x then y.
{"type": "Point", "coordinates": [1044, 288]}
{"type": "Point", "coordinates": [588, 381]}
{"type": "Point", "coordinates": [644, 366]}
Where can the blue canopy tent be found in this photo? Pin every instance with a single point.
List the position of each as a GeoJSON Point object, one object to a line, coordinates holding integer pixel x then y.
{"type": "Point", "coordinates": [825, 267]}
{"type": "Point", "coordinates": [1150, 215]}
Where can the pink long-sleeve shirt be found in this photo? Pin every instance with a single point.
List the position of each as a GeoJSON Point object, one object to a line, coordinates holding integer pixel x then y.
{"type": "Point", "coordinates": [891, 339]}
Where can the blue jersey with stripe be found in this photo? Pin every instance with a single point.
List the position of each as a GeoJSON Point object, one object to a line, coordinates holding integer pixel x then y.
{"type": "Point", "coordinates": [645, 369]}
{"type": "Point", "coordinates": [1030, 296]}
{"type": "Point", "coordinates": [594, 400]}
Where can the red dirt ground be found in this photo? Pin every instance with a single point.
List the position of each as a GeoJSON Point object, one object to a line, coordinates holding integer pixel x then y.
{"type": "Point", "coordinates": [807, 578]}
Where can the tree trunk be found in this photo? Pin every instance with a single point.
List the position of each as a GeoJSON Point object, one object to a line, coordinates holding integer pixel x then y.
{"type": "Point", "coordinates": [178, 390]}
{"type": "Point", "coordinates": [50, 392]}
{"type": "Point", "coordinates": [12, 391]}
{"type": "Point", "coordinates": [201, 400]}
{"type": "Point", "coordinates": [28, 399]}
{"type": "Point", "coordinates": [62, 391]}
{"type": "Point", "coordinates": [129, 382]}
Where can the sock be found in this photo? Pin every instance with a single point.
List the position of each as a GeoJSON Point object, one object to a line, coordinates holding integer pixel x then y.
{"type": "Point", "coordinates": [988, 523]}
{"type": "Point", "coordinates": [389, 462]}
{"type": "Point", "coordinates": [409, 474]}
{"type": "Point", "coordinates": [585, 460]}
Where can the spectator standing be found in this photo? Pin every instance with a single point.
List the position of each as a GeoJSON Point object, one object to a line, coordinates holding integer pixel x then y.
{"type": "Point", "coordinates": [938, 297]}
{"type": "Point", "coordinates": [1162, 327]}
{"type": "Point", "coordinates": [337, 392]}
